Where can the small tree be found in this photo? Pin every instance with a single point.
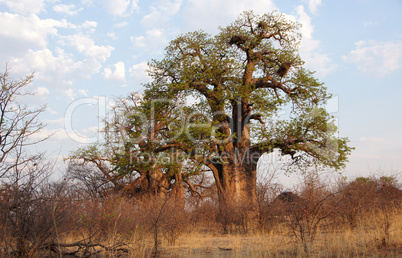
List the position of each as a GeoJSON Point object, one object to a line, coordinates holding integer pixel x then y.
{"type": "Point", "coordinates": [315, 204]}
{"type": "Point", "coordinates": [388, 200]}
{"type": "Point", "coordinates": [163, 216]}
{"type": "Point", "coordinates": [359, 196]}
{"type": "Point", "coordinates": [18, 124]}
{"type": "Point", "coordinates": [29, 212]}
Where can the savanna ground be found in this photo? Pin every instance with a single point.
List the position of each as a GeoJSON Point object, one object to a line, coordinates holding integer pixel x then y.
{"type": "Point", "coordinates": [359, 218]}
{"type": "Point", "coordinates": [362, 241]}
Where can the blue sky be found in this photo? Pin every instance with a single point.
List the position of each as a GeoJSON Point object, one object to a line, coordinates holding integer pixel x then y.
{"type": "Point", "coordinates": [84, 52]}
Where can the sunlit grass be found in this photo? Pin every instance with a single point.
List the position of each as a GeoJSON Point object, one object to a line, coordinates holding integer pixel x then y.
{"type": "Point", "coordinates": [362, 241]}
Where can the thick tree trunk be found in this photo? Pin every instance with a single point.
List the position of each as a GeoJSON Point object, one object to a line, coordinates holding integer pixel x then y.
{"type": "Point", "coordinates": [177, 191]}
{"type": "Point", "coordinates": [237, 195]}
{"type": "Point", "coordinates": [236, 175]}
{"type": "Point", "coordinates": [236, 182]}
{"type": "Point", "coordinates": [238, 179]}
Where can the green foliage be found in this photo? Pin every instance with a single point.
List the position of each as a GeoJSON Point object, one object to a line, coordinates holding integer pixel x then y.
{"type": "Point", "coordinates": [363, 180]}
{"type": "Point", "coordinates": [213, 97]}
{"type": "Point", "coordinates": [253, 61]}
{"type": "Point", "coordinates": [388, 180]}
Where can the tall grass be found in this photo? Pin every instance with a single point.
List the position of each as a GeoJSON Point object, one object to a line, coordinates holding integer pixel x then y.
{"type": "Point", "coordinates": [116, 226]}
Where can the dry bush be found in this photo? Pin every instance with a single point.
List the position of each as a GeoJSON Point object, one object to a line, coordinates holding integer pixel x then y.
{"type": "Point", "coordinates": [311, 210]}
{"type": "Point", "coordinates": [365, 196]}
{"type": "Point", "coordinates": [387, 198]}
{"type": "Point", "coordinates": [204, 217]}
{"type": "Point", "coordinates": [119, 218]}
{"type": "Point", "coordinates": [107, 225]}
{"type": "Point", "coordinates": [366, 238]}
{"type": "Point", "coordinates": [33, 216]}
{"type": "Point", "coordinates": [163, 217]}
{"type": "Point", "coordinates": [357, 199]}
{"type": "Point", "coordinates": [38, 219]}
{"type": "Point", "coordinates": [237, 216]}
{"type": "Point", "coordinates": [267, 191]}
{"type": "Point", "coordinates": [268, 218]}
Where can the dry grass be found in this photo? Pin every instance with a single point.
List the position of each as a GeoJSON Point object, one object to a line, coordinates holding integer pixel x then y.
{"type": "Point", "coordinates": [199, 241]}
{"type": "Point", "coordinates": [363, 241]}
{"type": "Point", "coordinates": [122, 227]}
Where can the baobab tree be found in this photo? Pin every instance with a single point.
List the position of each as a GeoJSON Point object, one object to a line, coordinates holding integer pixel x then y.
{"type": "Point", "coordinates": [138, 155]}
{"type": "Point", "coordinates": [241, 79]}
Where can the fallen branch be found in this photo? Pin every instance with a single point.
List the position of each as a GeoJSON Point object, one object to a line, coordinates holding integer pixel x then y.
{"type": "Point", "coordinates": [54, 247]}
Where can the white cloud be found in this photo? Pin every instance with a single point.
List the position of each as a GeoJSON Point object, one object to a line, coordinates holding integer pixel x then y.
{"type": "Point", "coordinates": [71, 139]}
{"type": "Point", "coordinates": [138, 41]}
{"type": "Point", "coordinates": [41, 61]}
{"type": "Point", "coordinates": [41, 91]}
{"type": "Point", "coordinates": [87, 2]}
{"type": "Point", "coordinates": [85, 45]}
{"type": "Point", "coordinates": [90, 131]}
{"type": "Point", "coordinates": [122, 7]}
{"type": "Point", "coordinates": [155, 38]}
{"type": "Point", "coordinates": [69, 93]}
{"type": "Point", "coordinates": [121, 24]}
{"type": "Point", "coordinates": [83, 92]}
{"type": "Point", "coordinates": [313, 5]}
{"type": "Point", "coordinates": [119, 73]}
{"type": "Point", "coordinates": [57, 69]}
{"type": "Point", "coordinates": [37, 96]}
{"type": "Point", "coordinates": [52, 111]}
{"type": "Point", "coordinates": [25, 6]}
{"type": "Point", "coordinates": [310, 47]}
{"type": "Point", "coordinates": [376, 58]}
{"type": "Point", "coordinates": [91, 25]}
{"type": "Point", "coordinates": [209, 14]}
{"type": "Point", "coordinates": [56, 135]}
{"type": "Point", "coordinates": [59, 122]}
{"type": "Point", "coordinates": [161, 12]}
{"type": "Point", "coordinates": [67, 9]}
{"type": "Point", "coordinates": [111, 35]}
{"type": "Point", "coordinates": [32, 31]}
{"type": "Point", "coordinates": [139, 72]}
{"type": "Point", "coordinates": [307, 28]}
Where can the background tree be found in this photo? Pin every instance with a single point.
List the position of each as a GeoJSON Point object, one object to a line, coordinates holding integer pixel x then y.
{"type": "Point", "coordinates": [18, 124]}
{"type": "Point", "coordinates": [31, 209]}
{"type": "Point", "coordinates": [368, 196]}
{"type": "Point", "coordinates": [138, 155]}
{"type": "Point", "coordinates": [359, 196]}
{"type": "Point", "coordinates": [241, 79]}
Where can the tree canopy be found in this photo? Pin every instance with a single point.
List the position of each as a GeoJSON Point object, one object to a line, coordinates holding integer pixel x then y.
{"type": "Point", "coordinates": [217, 100]}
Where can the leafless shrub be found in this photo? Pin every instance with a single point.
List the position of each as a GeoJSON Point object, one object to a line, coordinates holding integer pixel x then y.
{"type": "Point", "coordinates": [269, 214]}
{"type": "Point", "coordinates": [96, 226]}
{"type": "Point", "coordinates": [33, 212]}
{"type": "Point", "coordinates": [358, 199]}
{"type": "Point", "coordinates": [119, 219]}
{"type": "Point", "coordinates": [163, 217]}
{"type": "Point", "coordinates": [88, 179]}
{"type": "Point", "coordinates": [18, 125]}
{"type": "Point", "coordinates": [368, 197]}
{"type": "Point", "coordinates": [315, 203]}
{"type": "Point", "coordinates": [204, 216]}
{"type": "Point", "coordinates": [387, 199]}
{"type": "Point", "coordinates": [267, 190]}
{"type": "Point", "coordinates": [201, 189]}
{"type": "Point", "coordinates": [236, 216]}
